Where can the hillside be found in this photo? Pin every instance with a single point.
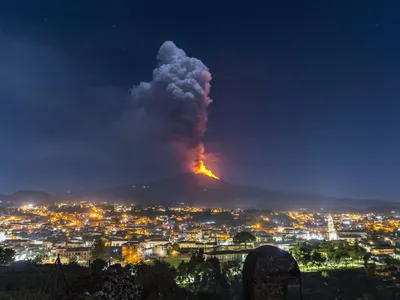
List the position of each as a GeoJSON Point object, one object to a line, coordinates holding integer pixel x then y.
{"type": "Point", "coordinates": [23, 196]}
{"type": "Point", "coordinates": [187, 188]}
{"type": "Point", "coordinates": [205, 191]}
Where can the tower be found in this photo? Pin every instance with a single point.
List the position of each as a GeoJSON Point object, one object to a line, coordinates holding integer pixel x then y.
{"type": "Point", "coordinates": [332, 233]}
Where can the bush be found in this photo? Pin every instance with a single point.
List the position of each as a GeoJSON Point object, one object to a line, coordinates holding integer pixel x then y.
{"type": "Point", "coordinates": [98, 265]}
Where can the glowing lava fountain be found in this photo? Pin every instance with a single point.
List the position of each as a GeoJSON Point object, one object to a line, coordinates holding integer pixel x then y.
{"type": "Point", "coordinates": [199, 167]}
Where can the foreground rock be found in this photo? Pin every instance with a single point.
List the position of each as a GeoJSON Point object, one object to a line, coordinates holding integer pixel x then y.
{"type": "Point", "coordinates": [112, 284]}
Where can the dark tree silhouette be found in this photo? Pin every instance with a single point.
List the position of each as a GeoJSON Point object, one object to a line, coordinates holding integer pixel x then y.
{"type": "Point", "coordinates": [206, 279]}
{"type": "Point", "coordinates": [98, 265]}
{"type": "Point", "coordinates": [99, 250]}
{"type": "Point", "coordinates": [7, 256]}
{"type": "Point", "coordinates": [158, 280]}
{"type": "Point", "coordinates": [244, 237]}
{"type": "Point", "coordinates": [356, 252]}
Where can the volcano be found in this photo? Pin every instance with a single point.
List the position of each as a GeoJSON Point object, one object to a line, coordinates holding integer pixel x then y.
{"type": "Point", "coordinates": [205, 191]}
{"type": "Point", "coordinates": [188, 188]}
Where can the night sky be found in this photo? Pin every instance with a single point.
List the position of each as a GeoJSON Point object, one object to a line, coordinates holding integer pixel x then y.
{"type": "Point", "coordinates": [305, 92]}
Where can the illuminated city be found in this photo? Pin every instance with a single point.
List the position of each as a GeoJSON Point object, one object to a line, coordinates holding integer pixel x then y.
{"type": "Point", "coordinates": [71, 230]}
{"type": "Point", "coordinates": [81, 234]}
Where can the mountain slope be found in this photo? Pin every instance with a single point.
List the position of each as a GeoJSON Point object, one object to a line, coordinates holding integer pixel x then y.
{"type": "Point", "coordinates": [201, 190]}
{"type": "Point", "coordinates": [23, 196]}
{"type": "Point", "coordinates": [205, 191]}
{"type": "Point", "coordinates": [188, 188]}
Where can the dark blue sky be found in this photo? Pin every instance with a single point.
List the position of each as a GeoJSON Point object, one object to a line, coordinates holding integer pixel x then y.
{"type": "Point", "coordinates": [305, 92]}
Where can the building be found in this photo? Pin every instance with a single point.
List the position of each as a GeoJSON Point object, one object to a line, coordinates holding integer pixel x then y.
{"type": "Point", "coordinates": [196, 245]}
{"type": "Point", "coordinates": [160, 250]}
{"type": "Point", "coordinates": [130, 253]}
{"type": "Point", "coordinates": [17, 242]}
{"type": "Point", "coordinates": [332, 233]}
{"type": "Point", "coordinates": [351, 236]}
{"type": "Point", "coordinates": [382, 250]}
{"type": "Point", "coordinates": [47, 244]}
{"type": "Point", "coordinates": [115, 242]}
{"type": "Point", "coordinates": [60, 244]}
{"type": "Point", "coordinates": [187, 245]}
{"type": "Point", "coordinates": [150, 243]}
{"type": "Point", "coordinates": [2, 236]}
{"type": "Point", "coordinates": [80, 253]}
{"type": "Point", "coordinates": [228, 255]}
{"type": "Point", "coordinates": [75, 244]}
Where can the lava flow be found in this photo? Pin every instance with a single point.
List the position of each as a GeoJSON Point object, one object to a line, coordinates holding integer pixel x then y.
{"type": "Point", "coordinates": [199, 167]}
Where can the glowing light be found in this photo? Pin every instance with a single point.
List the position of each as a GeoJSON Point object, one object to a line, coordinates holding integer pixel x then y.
{"type": "Point", "coordinates": [199, 167]}
{"type": "Point", "coordinates": [202, 169]}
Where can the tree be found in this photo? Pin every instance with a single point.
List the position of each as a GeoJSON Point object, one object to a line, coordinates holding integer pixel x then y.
{"type": "Point", "coordinates": [366, 296]}
{"type": "Point", "coordinates": [356, 252]}
{"type": "Point", "coordinates": [73, 261]}
{"type": "Point", "coordinates": [301, 252]}
{"type": "Point", "coordinates": [197, 256]}
{"type": "Point", "coordinates": [316, 257]}
{"type": "Point", "coordinates": [99, 250]}
{"type": "Point", "coordinates": [158, 280]}
{"type": "Point", "coordinates": [232, 271]}
{"type": "Point", "coordinates": [173, 249]}
{"type": "Point", "coordinates": [366, 258]}
{"type": "Point", "coordinates": [98, 265]}
{"type": "Point", "coordinates": [327, 249]}
{"type": "Point", "coordinates": [342, 249]}
{"type": "Point", "coordinates": [211, 277]}
{"type": "Point", "coordinates": [204, 277]}
{"type": "Point", "coordinates": [38, 259]}
{"type": "Point", "coordinates": [390, 261]}
{"type": "Point", "coordinates": [244, 237]}
{"type": "Point", "coordinates": [190, 273]}
{"type": "Point", "coordinates": [325, 274]}
{"type": "Point", "coordinates": [341, 252]}
{"type": "Point", "coordinates": [7, 256]}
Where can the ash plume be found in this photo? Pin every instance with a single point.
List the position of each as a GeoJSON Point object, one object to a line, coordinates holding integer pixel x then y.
{"type": "Point", "coordinates": [177, 97]}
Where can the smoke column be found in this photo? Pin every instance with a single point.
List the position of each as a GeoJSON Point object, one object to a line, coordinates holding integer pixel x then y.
{"type": "Point", "coordinates": [178, 95]}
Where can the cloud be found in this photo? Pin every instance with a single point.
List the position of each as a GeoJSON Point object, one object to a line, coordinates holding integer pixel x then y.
{"type": "Point", "coordinates": [177, 96]}
{"type": "Point", "coordinates": [61, 129]}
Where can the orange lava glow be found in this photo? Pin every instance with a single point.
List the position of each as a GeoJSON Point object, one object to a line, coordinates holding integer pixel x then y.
{"type": "Point", "coordinates": [199, 167]}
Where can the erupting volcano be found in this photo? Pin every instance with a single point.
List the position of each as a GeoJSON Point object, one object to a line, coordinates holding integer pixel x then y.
{"type": "Point", "coordinates": [177, 99]}
{"type": "Point", "coordinates": [199, 167]}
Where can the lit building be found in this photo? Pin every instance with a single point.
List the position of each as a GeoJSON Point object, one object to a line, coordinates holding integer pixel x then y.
{"type": "Point", "coordinates": [2, 236]}
{"type": "Point", "coordinates": [130, 253]}
{"type": "Point", "coordinates": [352, 236]}
{"type": "Point", "coordinates": [332, 233]}
{"type": "Point", "coordinates": [383, 250]}
{"type": "Point", "coordinates": [81, 253]}
{"type": "Point", "coordinates": [228, 255]}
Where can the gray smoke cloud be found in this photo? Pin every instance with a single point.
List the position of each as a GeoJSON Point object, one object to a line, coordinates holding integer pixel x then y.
{"type": "Point", "coordinates": [177, 97]}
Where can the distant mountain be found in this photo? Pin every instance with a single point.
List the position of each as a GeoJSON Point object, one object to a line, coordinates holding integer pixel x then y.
{"type": "Point", "coordinates": [188, 188]}
{"type": "Point", "coordinates": [204, 191]}
{"type": "Point", "coordinates": [23, 196]}
{"type": "Point", "coordinates": [201, 190]}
